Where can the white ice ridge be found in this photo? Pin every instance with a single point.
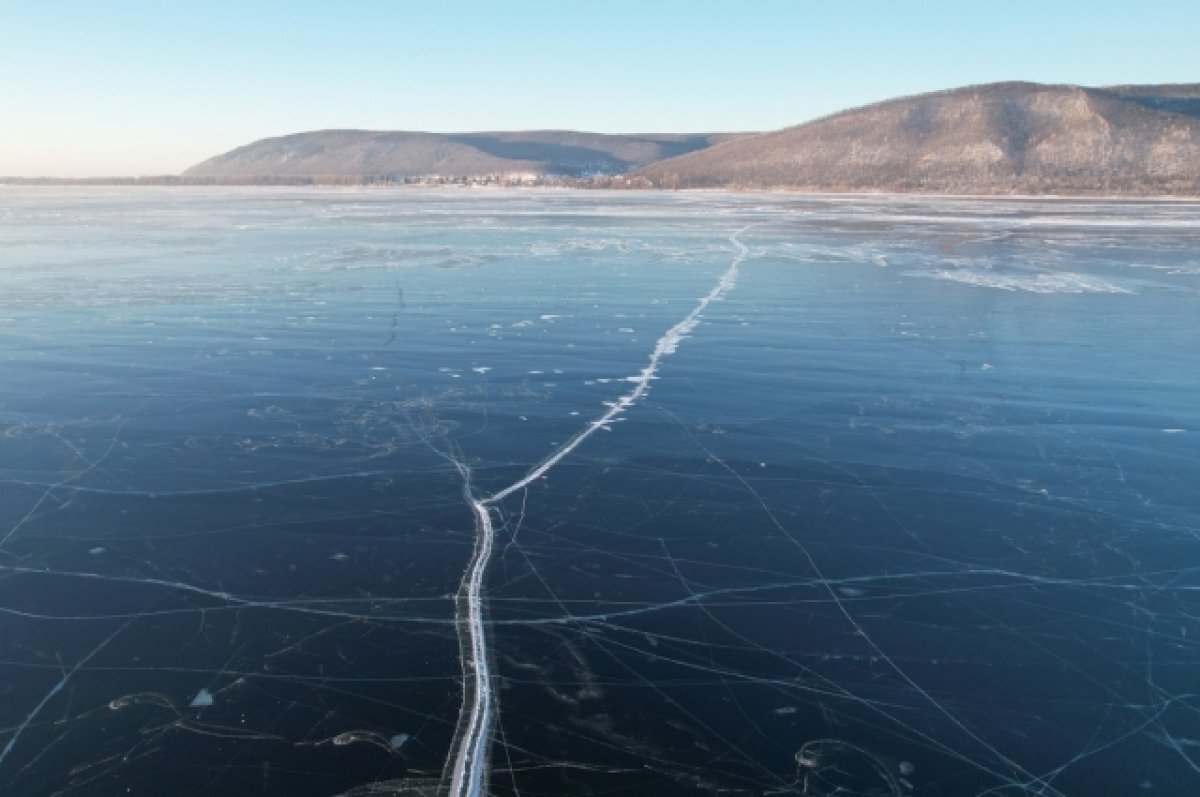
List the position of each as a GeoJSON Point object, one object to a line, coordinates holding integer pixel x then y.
{"type": "Point", "coordinates": [665, 345]}
{"type": "Point", "coordinates": [468, 769]}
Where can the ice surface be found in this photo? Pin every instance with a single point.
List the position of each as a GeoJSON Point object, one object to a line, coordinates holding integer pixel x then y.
{"type": "Point", "coordinates": [849, 528]}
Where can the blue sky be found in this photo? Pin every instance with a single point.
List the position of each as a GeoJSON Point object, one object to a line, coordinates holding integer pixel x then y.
{"type": "Point", "coordinates": [138, 87]}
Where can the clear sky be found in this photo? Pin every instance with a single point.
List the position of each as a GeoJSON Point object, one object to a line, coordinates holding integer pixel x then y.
{"type": "Point", "coordinates": [125, 87]}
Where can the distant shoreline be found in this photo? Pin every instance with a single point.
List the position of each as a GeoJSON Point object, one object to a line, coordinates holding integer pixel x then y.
{"type": "Point", "coordinates": [566, 184]}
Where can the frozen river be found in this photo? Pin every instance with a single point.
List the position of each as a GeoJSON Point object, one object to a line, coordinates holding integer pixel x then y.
{"type": "Point", "coordinates": [319, 492]}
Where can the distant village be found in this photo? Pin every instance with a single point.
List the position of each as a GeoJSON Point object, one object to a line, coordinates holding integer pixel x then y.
{"type": "Point", "coordinates": [505, 180]}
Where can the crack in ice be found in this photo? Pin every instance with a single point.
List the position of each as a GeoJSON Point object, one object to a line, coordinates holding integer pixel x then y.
{"type": "Point", "coordinates": [29, 718]}
{"type": "Point", "coordinates": [467, 769]}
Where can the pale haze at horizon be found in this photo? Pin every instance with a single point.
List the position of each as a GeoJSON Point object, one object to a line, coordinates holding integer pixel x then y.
{"type": "Point", "coordinates": [134, 88]}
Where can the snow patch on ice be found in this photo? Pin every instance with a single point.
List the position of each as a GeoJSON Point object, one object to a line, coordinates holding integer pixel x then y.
{"type": "Point", "coordinates": [1036, 282]}
{"type": "Point", "coordinates": [203, 699]}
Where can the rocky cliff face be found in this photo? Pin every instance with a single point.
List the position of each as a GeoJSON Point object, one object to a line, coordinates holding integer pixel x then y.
{"type": "Point", "coordinates": [999, 138]}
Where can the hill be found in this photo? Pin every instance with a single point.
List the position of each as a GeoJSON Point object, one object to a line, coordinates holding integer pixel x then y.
{"type": "Point", "coordinates": [363, 153]}
{"type": "Point", "coordinates": [991, 139]}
